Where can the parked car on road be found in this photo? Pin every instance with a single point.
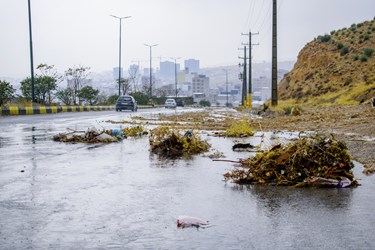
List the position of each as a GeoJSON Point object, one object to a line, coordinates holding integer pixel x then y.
{"type": "Point", "coordinates": [170, 103]}
{"type": "Point", "coordinates": [126, 102]}
{"type": "Point", "coordinates": [180, 102]}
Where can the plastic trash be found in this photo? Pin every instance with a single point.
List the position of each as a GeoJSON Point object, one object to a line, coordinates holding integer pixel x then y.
{"type": "Point", "coordinates": [117, 132]}
{"type": "Point", "coordinates": [188, 221]}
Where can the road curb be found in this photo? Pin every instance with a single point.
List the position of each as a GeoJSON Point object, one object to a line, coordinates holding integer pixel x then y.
{"type": "Point", "coordinates": [6, 111]}
{"type": "Point", "coordinates": [50, 110]}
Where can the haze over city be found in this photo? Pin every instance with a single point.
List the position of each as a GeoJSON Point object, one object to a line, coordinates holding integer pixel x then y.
{"type": "Point", "coordinates": [68, 33]}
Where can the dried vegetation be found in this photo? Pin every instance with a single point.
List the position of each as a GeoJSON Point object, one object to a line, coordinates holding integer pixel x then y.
{"type": "Point", "coordinates": [172, 143]}
{"type": "Point", "coordinates": [309, 161]}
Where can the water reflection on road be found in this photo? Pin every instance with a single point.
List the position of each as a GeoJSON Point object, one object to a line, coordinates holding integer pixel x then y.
{"type": "Point", "coordinates": [119, 196]}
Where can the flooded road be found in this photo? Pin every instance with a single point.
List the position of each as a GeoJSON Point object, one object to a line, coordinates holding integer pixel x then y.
{"type": "Point", "coordinates": [119, 196]}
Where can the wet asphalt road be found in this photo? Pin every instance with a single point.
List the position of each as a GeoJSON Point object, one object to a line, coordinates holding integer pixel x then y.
{"type": "Point", "coordinates": [119, 196]}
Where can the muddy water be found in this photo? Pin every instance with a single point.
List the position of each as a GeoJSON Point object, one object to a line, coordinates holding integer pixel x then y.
{"type": "Point", "coordinates": [118, 196]}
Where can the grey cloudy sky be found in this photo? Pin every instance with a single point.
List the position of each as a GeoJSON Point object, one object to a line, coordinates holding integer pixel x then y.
{"type": "Point", "coordinates": [81, 32]}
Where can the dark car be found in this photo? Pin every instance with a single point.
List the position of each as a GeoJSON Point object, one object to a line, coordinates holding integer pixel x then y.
{"type": "Point", "coordinates": [180, 102]}
{"type": "Point", "coordinates": [126, 102]}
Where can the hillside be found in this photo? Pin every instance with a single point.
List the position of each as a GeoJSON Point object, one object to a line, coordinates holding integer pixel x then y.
{"type": "Point", "coordinates": [336, 68]}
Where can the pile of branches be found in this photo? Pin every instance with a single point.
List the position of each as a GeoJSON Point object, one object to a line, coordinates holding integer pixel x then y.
{"type": "Point", "coordinates": [173, 143]}
{"type": "Point", "coordinates": [310, 161]}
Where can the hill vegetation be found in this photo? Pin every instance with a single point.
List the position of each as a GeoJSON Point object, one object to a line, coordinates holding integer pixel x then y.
{"type": "Point", "coordinates": [335, 68]}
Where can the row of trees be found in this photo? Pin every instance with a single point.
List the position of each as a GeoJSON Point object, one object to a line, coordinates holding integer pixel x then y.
{"type": "Point", "coordinates": [47, 90]}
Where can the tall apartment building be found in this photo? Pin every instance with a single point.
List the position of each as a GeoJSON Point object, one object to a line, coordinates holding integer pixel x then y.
{"type": "Point", "coordinates": [192, 66]}
{"type": "Point", "coordinates": [167, 69]}
{"type": "Point", "coordinates": [201, 84]}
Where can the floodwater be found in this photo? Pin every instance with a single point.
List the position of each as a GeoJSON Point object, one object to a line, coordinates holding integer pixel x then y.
{"type": "Point", "coordinates": [119, 196]}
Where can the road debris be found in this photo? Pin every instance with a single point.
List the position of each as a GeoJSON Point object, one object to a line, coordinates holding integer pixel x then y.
{"type": "Point", "coordinates": [243, 147]}
{"type": "Point", "coordinates": [93, 135]}
{"type": "Point", "coordinates": [315, 160]}
{"type": "Point", "coordinates": [184, 221]}
{"type": "Point", "coordinates": [238, 129]}
{"type": "Point", "coordinates": [170, 143]}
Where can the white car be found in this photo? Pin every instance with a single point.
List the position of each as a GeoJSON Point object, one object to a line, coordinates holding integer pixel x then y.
{"type": "Point", "coordinates": [170, 103]}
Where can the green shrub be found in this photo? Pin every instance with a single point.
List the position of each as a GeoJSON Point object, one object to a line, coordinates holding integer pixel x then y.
{"type": "Point", "coordinates": [333, 32]}
{"type": "Point", "coordinates": [355, 57]}
{"type": "Point", "coordinates": [364, 58]}
{"type": "Point", "coordinates": [359, 25]}
{"type": "Point", "coordinates": [325, 38]}
{"type": "Point", "coordinates": [340, 45]}
{"type": "Point", "coordinates": [368, 52]}
{"type": "Point", "coordinates": [205, 103]}
{"type": "Point", "coordinates": [344, 51]}
{"type": "Point", "coordinates": [366, 37]}
{"type": "Point", "coordinates": [373, 28]}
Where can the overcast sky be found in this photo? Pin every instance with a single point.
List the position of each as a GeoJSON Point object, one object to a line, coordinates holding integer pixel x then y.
{"type": "Point", "coordinates": [82, 32]}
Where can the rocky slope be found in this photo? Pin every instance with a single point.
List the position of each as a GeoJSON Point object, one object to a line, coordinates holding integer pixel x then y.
{"type": "Point", "coordinates": [336, 68]}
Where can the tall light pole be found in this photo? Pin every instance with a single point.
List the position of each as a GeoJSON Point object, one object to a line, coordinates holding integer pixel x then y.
{"type": "Point", "coordinates": [119, 56]}
{"type": "Point", "coordinates": [175, 71]}
{"type": "Point", "coordinates": [150, 46]}
{"type": "Point", "coordinates": [31, 57]}
{"type": "Point", "coordinates": [226, 81]}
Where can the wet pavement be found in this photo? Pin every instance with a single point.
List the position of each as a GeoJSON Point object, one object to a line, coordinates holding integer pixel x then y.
{"type": "Point", "coordinates": [119, 196]}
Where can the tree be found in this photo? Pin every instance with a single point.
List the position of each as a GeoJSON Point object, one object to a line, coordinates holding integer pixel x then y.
{"type": "Point", "coordinates": [77, 78]}
{"type": "Point", "coordinates": [134, 77]}
{"type": "Point", "coordinates": [88, 94]}
{"type": "Point", "coordinates": [6, 92]}
{"type": "Point", "coordinates": [49, 72]}
{"type": "Point", "coordinates": [65, 95]}
{"type": "Point", "coordinates": [112, 99]}
{"type": "Point", "coordinates": [165, 90]}
{"type": "Point", "coordinates": [140, 97]}
{"type": "Point", "coordinates": [43, 87]}
{"type": "Point", "coordinates": [45, 84]}
{"type": "Point", "coordinates": [125, 85]}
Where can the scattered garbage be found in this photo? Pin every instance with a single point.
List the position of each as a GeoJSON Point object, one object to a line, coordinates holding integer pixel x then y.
{"type": "Point", "coordinates": [184, 221]}
{"type": "Point", "coordinates": [168, 142]}
{"type": "Point", "coordinates": [93, 135]}
{"type": "Point", "coordinates": [316, 160]}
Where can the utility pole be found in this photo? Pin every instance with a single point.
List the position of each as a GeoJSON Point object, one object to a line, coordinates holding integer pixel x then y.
{"type": "Point", "coordinates": [244, 78]}
{"type": "Point", "coordinates": [175, 71]}
{"type": "Point", "coordinates": [226, 81]}
{"type": "Point", "coordinates": [249, 96]}
{"type": "Point", "coordinates": [119, 54]}
{"type": "Point", "coordinates": [150, 46]}
{"type": "Point", "coordinates": [274, 55]}
{"type": "Point", "coordinates": [31, 57]}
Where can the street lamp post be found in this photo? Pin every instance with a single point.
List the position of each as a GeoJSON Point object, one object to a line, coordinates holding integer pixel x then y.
{"type": "Point", "coordinates": [119, 56]}
{"type": "Point", "coordinates": [150, 46]}
{"type": "Point", "coordinates": [226, 80]}
{"type": "Point", "coordinates": [31, 57]}
{"type": "Point", "coordinates": [175, 72]}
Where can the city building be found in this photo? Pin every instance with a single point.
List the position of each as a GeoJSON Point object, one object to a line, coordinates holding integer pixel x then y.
{"type": "Point", "coordinates": [167, 69]}
{"type": "Point", "coordinates": [192, 66]}
{"type": "Point", "coordinates": [115, 72]}
{"type": "Point", "coordinates": [200, 86]}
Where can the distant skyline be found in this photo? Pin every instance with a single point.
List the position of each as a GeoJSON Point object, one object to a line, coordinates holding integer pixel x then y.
{"type": "Point", "coordinates": [82, 32]}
